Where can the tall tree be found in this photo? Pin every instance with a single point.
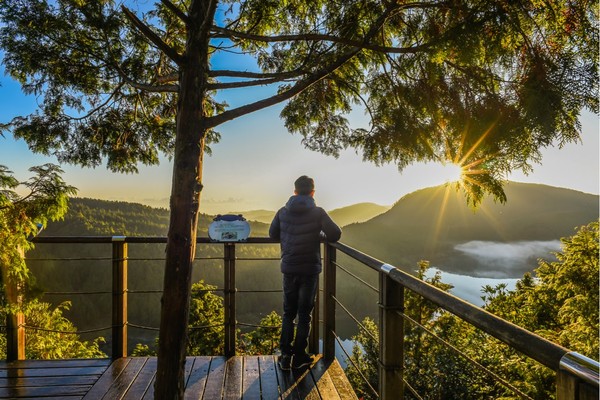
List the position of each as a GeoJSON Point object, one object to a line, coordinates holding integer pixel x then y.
{"type": "Point", "coordinates": [485, 84]}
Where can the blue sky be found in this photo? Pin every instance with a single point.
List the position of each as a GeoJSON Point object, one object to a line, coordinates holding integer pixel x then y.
{"type": "Point", "coordinates": [257, 160]}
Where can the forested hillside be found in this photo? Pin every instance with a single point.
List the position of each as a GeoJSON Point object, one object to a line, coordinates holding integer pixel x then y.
{"type": "Point", "coordinates": [113, 218]}
{"type": "Point", "coordinates": [342, 216]}
{"type": "Point", "coordinates": [429, 223]}
{"type": "Point", "coordinates": [356, 213]}
{"type": "Point", "coordinates": [420, 226]}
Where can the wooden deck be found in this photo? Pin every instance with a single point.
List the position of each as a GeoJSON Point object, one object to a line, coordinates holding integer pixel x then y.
{"type": "Point", "coordinates": [210, 378]}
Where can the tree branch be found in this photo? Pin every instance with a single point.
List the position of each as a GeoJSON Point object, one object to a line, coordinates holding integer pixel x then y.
{"type": "Point", "coordinates": [302, 85]}
{"type": "Point", "coordinates": [153, 37]}
{"type": "Point", "coordinates": [227, 33]}
{"type": "Point", "coordinates": [175, 10]}
{"type": "Point", "coordinates": [237, 74]}
{"type": "Point", "coordinates": [260, 75]}
{"type": "Point", "coordinates": [241, 84]}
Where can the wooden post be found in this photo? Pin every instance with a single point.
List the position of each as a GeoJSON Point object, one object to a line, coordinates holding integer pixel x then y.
{"type": "Point", "coordinates": [577, 378]}
{"type": "Point", "coordinates": [229, 295]}
{"type": "Point", "coordinates": [391, 336]}
{"type": "Point", "coordinates": [313, 337]}
{"type": "Point", "coordinates": [119, 297]}
{"type": "Point", "coordinates": [329, 284]}
{"type": "Point", "coordinates": [15, 319]}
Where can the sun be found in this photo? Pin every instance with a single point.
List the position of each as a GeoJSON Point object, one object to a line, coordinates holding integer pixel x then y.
{"type": "Point", "coordinates": [452, 173]}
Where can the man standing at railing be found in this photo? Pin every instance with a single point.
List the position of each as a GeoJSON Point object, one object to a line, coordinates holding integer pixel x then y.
{"type": "Point", "coordinates": [300, 226]}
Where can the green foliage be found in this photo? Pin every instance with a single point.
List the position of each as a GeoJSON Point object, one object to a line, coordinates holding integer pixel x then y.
{"type": "Point", "coordinates": [54, 336]}
{"type": "Point", "coordinates": [45, 201]}
{"type": "Point", "coordinates": [364, 360]}
{"type": "Point", "coordinates": [142, 350]}
{"type": "Point", "coordinates": [206, 331]}
{"type": "Point", "coordinates": [264, 339]}
{"type": "Point", "coordinates": [21, 216]}
{"type": "Point", "coordinates": [560, 304]}
{"type": "Point", "coordinates": [482, 84]}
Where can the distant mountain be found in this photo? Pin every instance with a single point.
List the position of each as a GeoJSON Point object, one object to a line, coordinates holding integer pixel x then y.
{"type": "Point", "coordinates": [356, 213]}
{"type": "Point", "coordinates": [433, 224]}
{"type": "Point", "coordinates": [264, 216]}
{"type": "Point", "coordinates": [428, 225]}
{"type": "Point", "coordinates": [342, 216]}
{"type": "Point", "coordinates": [111, 218]}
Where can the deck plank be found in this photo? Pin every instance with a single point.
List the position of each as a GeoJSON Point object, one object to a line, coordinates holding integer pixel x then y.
{"type": "Point", "coordinates": [251, 379]}
{"type": "Point", "coordinates": [248, 377]}
{"type": "Point", "coordinates": [60, 371]}
{"type": "Point", "coordinates": [233, 379]}
{"type": "Point", "coordinates": [268, 377]}
{"type": "Point", "coordinates": [123, 381]}
{"type": "Point", "coordinates": [341, 382]}
{"type": "Point", "coordinates": [287, 385]}
{"type": "Point", "coordinates": [42, 381]}
{"type": "Point", "coordinates": [215, 379]}
{"type": "Point", "coordinates": [307, 388]}
{"type": "Point", "coordinates": [43, 392]}
{"type": "Point", "coordinates": [106, 380]}
{"type": "Point", "coordinates": [49, 378]}
{"type": "Point", "coordinates": [71, 363]}
{"type": "Point", "coordinates": [325, 386]}
{"type": "Point", "coordinates": [194, 388]}
{"type": "Point", "coordinates": [140, 386]}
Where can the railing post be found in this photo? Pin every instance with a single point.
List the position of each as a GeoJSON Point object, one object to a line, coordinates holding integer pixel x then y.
{"type": "Point", "coordinates": [15, 320]}
{"type": "Point", "coordinates": [119, 297]}
{"type": "Point", "coordinates": [229, 297]}
{"type": "Point", "coordinates": [391, 336]}
{"type": "Point", "coordinates": [577, 378]}
{"type": "Point", "coordinates": [313, 338]}
{"type": "Point", "coordinates": [329, 284]}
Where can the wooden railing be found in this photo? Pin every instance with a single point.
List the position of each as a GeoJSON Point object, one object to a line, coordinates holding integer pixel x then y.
{"type": "Point", "coordinates": [577, 376]}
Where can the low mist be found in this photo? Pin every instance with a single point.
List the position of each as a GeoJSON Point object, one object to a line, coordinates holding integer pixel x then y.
{"type": "Point", "coordinates": [502, 260]}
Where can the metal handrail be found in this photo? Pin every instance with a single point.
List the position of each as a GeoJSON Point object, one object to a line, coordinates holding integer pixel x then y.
{"type": "Point", "coordinates": [534, 346]}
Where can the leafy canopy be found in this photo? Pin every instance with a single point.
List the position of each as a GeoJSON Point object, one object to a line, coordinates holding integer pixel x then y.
{"type": "Point", "coordinates": [560, 304]}
{"type": "Point", "coordinates": [25, 208]}
{"type": "Point", "coordinates": [483, 84]}
{"type": "Point", "coordinates": [23, 215]}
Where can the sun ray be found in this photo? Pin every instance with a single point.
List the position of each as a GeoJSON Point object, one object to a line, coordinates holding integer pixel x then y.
{"type": "Point", "coordinates": [475, 145]}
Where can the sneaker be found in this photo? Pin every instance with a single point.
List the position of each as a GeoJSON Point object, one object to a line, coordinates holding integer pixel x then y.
{"type": "Point", "coordinates": [284, 362]}
{"type": "Point", "coordinates": [301, 361]}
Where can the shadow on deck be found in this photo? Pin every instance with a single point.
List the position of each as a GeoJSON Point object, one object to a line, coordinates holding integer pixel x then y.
{"type": "Point", "coordinates": [240, 377]}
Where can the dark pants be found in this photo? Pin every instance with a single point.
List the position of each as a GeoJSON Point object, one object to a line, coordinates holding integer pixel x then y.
{"type": "Point", "coordinates": [299, 293]}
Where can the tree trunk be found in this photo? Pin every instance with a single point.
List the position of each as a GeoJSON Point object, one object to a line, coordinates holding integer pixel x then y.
{"type": "Point", "coordinates": [184, 203]}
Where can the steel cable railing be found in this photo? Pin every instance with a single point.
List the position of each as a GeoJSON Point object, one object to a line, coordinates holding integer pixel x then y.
{"type": "Point", "coordinates": [537, 348]}
{"type": "Point", "coordinates": [477, 365]}
{"type": "Point", "coordinates": [356, 367]}
{"type": "Point", "coordinates": [387, 273]}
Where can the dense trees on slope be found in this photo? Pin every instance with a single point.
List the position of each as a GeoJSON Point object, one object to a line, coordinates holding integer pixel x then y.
{"type": "Point", "coordinates": [560, 304]}
{"type": "Point", "coordinates": [485, 84]}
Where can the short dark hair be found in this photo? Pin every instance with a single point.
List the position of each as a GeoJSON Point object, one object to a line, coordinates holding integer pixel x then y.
{"type": "Point", "coordinates": [304, 185]}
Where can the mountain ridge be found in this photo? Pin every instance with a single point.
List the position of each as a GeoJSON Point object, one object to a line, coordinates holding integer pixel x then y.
{"type": "Point", "coordinates": [423, 226]}
{"type": "Point", "coordinates": [419, 226]}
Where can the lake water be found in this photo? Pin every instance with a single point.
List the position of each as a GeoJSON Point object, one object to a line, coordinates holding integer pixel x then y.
{"type": "Point", "coordinates": [499, 261]}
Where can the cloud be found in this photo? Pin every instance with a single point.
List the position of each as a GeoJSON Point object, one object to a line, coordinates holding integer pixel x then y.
{"type": "Point", "coordinates": [499, 259]}
{"type": "Point", "coordinates": [229, 200]}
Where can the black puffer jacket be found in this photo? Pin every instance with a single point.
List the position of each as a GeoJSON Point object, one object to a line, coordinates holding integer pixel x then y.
{"type": "Point", "coordinates": [299, 227]}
